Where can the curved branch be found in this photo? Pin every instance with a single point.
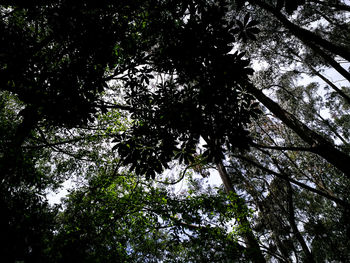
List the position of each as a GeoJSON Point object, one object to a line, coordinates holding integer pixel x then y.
{"type": "Point", "coordinates": [287, 178]}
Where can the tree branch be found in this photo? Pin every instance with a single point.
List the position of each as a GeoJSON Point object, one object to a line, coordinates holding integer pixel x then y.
{"type": "Point", "coordinates": [287, 178]}
{"type": "Point", "coordinates": [282, 148]}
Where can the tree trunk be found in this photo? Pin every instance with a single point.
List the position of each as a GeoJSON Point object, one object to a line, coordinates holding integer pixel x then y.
{"type": "Point", "coordinates": [253, 248]}
{"type": "Point", "coordinates": [329, 60]}
{"type": "Point", "coordinates": [275, 236]}
{"type": "Point", "coordinates": [288, 178]}
{"type": "Point", "coordinates": [303, 34]}
{"type": "Point", "coordinates": [291, 218]}
{"type": "Point", "coordinates": [336, 66]}
{"type": "Point", "coordinates": [319, 144]}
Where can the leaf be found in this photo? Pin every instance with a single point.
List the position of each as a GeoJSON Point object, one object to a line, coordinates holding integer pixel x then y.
{"type": "Point", "coordinates": [253, 30]}
{"type": "Point", "coordinates": [158, 168]}
{"type": "Point", "coordinates": [246, 19]}
{"type": "Point", "coordinates": [251, 35]}
{"type": "Point", "coordinates": [235, 30]}
{"type": "Point", "coordinates": [253, 23]}
{"type": "Point", "coordinates": [240, 25]}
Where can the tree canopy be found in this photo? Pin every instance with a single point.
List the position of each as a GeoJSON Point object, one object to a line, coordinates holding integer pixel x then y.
{"type": "Point", "coordinates": [140, 103]}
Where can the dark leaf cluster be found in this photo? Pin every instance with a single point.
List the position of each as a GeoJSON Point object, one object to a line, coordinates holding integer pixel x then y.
{"type": "Point", "coordinates": [202, 96]}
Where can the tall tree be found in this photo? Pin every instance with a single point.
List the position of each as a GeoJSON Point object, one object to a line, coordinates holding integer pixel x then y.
{"type": "Point", "coordinates": [188, 98]}
{"type": "Point", "coordinates": [126, 218]}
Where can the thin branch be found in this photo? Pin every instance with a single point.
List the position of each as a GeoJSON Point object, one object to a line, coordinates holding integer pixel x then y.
{"type": "Point", "coordinates": [116, 106]}
{"type": "Point", "coordinates": [48, 144]}
{"type": "Point", "coordinates": [286, 177]}
{"type": "Point", "coordinates": [180, 178]}
{"type": "Point", "coordinates": [282, 148]}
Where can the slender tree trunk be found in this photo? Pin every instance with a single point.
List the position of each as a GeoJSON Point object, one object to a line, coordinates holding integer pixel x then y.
{"type": "Point", "coordinates": [336, 66]}
{"type": "Point", "coordinates": [253, 248]}
{"type": "Point", "coordinates": [303, 34]}
{"type": "Point", "coordinates": [329, 60]}
{"type": "Point", "coordinates": [333, 129]}
{"type": "Point", "coordinates": [291, 218]}
{"type": "Point", "coordinates": [331, 84]}
{"type": "Point", "coordinates": [319, 144]}
{"type": "Point", "coordinates": [288, 178]}
{"type": "Point", "coordinates": [275, 236]}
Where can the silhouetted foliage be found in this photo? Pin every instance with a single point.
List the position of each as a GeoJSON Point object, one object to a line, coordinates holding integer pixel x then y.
{"type": "Point", "coordinates": [112, 93]}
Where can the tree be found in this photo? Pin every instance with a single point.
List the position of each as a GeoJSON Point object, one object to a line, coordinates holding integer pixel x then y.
{"type": "Point", "coordinates": [27, 220]}
{"type": "Point", "coordinates": [126, 218]}
{"type": "Point", "coordinates": [280, 162]}
{"type": "Point", "coordinates": [162, 82]}
{"type": "Point", "coordinates": [288, 53]}
{"type": "Point", "coordinates": [286, 156]}
{"type": "Point", "coordinates": [190, 103]}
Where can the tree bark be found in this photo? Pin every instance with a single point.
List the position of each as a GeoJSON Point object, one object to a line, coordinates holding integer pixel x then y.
{"type": "Point", "coordinates": [328, 59]}
{"type": "Point", "coordinates": [303, 34]}
{"type": "Point", "coordinates": [275, 236]}
{"type": "Point", "coordinates": [287, 178]}
{"type": "Point", "coordinates": [336, 66]}
{"type": "Point", "coordinates": [253, 248]}
{"type": "Point", "coordinates": [291, 218]}
{"type": "Point", "coordinates": [319, 144]}
{"type": "Point", "coordinates": [331, 84]}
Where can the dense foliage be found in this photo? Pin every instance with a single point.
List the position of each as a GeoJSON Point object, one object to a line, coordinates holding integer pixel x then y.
{"type": "Point", "coordinates": [140, 103]}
